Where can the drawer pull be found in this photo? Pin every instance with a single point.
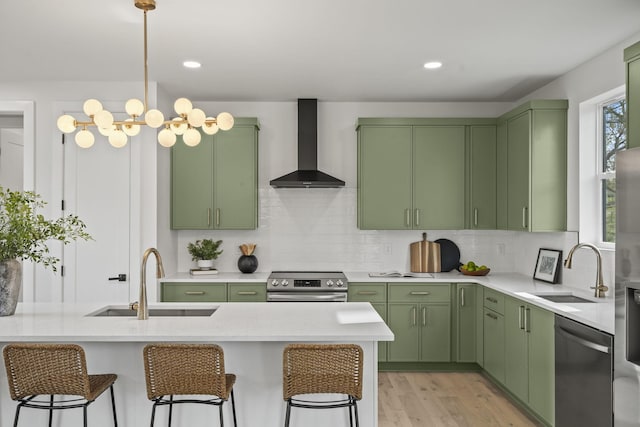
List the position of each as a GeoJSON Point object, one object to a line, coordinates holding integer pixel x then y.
{"type": "Point", "coordinates": [419, 293]}
{"type": "Point", "coordinates": [247, 293]}
{"type": "Point", "coordinates": [367, 292]}
{"type": "Point", "coordinates": [492, 316]}
{"type": "Point", "coordinates": [194, 293]}
{"type": "Point", "coordinates": [493, 300]}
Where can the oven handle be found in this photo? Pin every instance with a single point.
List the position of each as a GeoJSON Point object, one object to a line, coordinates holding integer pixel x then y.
{"type": "Point", "coordinates": [338, 297]}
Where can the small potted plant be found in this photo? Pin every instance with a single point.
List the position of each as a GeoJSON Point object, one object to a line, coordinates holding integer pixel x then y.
{"type": "Point", "coordinates": [204, 252]}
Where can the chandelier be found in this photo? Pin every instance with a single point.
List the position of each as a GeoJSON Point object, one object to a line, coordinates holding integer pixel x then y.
{"type": "Point", "coordinates": [186, 123]}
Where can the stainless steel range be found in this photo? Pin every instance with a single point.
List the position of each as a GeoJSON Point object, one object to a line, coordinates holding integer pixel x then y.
{"type": "Point", "coordinates": [298, 286]}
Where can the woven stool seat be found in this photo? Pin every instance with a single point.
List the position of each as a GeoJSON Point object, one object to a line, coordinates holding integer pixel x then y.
{"type": "Point", "coordinates": [309, 369]}
{"type": "Point", "coordinates": [187, 369]}
{"type": "Point", "coordinates": [53, 369]}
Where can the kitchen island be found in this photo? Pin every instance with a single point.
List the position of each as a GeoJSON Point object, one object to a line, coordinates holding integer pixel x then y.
{"type": "Point", "coordinates": [253, 336]}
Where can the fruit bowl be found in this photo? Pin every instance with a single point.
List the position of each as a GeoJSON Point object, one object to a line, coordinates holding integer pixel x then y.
{"type": "Point", "coordinates": [475, 273]}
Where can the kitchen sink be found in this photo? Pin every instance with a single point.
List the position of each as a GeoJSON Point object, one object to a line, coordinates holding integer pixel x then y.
{"type": "Point", "coordinates": [154, 312]}
{"type": "Point", "coordinates": [565, 298]}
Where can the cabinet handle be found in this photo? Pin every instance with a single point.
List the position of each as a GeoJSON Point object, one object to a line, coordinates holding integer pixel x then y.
{"type": "Point", "coordinates": [524, 216]}
{"type": "Point", "coordinates": [493, 300]}
{"type": "Point", "coordinates": [462, 302]}
{"type": "Point", "coordinates": [417, 216]}
{"type": "Point", "coordinates": [414, 314]}
{"type": "Point", "coordinates": [367, 292]}
{"type": "Point", "coordinates": [424, 316]}
{"type": "Point", "coordinates": [247, 293]}
{"type": "Point", "coordinates": [475, 217]}
{"type": "Point", "coordinates": [209, 217]}
{"type": "Point", "coordinates": [492, 316]}
{"type": "Point", "coordinates": [407, 217]}
{"type": "Point", "coordinates": [521, 317]}
{"type": "Point", "coordinates": [217, 217]}
{"type": "Point", "coordinates": [419, 293]}
{"type": "Point", "coordinates": [194, 293]}
{"type": "Point", "coordinates": [527, 320]}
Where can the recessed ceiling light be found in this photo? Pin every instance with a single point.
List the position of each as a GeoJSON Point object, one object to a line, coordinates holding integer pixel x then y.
{"type": "Point", "coordinates": [433, 65]}
{"type": "Point", "coordinates": [191, 64]}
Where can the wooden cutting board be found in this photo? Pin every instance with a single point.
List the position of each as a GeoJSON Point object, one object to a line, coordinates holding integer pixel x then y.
{"type": "Point", "coordinates": [425, 256]}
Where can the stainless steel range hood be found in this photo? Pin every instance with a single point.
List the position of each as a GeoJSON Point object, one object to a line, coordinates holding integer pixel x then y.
{"type": "Point", "coordinates": [307, 175]}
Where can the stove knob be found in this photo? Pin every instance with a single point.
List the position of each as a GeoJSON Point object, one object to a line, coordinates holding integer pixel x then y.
{"type": "Point", "coordinates": [340, 283]}
{"type": "Point", "coordinates": [274, 282]}
{"type": "Point", "coordinates": [330, 283]}
{"type": "Point", "coordinates": [285, 282]}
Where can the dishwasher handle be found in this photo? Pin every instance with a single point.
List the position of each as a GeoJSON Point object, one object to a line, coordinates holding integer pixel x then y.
{"type": "Point", "coordinates": [582, 341]}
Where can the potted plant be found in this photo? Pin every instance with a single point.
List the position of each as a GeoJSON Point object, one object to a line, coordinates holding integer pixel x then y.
{"type": "Point", "coordinates": [204, 252]}
{"type": "Point", "coordinates": [23, 236]}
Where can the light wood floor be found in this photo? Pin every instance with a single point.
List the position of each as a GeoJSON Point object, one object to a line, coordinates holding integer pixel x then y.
{"type": "Point", "coordinates": [451, 399]}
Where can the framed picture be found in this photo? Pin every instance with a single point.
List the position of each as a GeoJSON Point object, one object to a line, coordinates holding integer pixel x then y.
{"type": "Point", "coordinates": [547, 265]}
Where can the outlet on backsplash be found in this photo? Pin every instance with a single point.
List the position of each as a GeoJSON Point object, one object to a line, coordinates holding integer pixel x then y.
{"type": "Point", "coordinates": [501, 249]}
{"type": "Point", "coordinates": [387, 249]}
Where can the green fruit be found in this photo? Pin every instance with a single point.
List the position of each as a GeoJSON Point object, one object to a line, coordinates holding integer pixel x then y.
{"type": "Point", "coordinates": [471, 264]}
{"type": "Point", "coordinates": [483, 267]}
{"type": "Point", "coordinates": [472, 268]}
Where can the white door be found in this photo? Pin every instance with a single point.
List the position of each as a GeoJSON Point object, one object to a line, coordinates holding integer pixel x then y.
{"type": "Point", "coordinates": [97, 188]}
{"type": "Point", "coordinates": [11, 159]}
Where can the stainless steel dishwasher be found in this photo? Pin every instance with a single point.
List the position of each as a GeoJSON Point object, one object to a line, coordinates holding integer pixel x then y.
{"type": "Point", "coordinates": [584, 375]}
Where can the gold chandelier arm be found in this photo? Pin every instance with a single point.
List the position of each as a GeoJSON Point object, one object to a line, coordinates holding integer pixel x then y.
{"type": "Point", "coordinates": [146, 76]}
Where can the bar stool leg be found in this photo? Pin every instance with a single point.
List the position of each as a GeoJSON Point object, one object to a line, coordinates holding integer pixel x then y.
{"type": "Point", "coordinates": [84, 415]}
{"type": "Point", "coordinates": [51, 410]}
{"type": "Point", "coordinates": [153, 413]}
{"type": "Point", "coordinates": [350, 413]}
{"type": "Point", "coordinates": [233, 409]}
{"type": "Point", "coordinates": [286, 419]}
{"type": "Point", "coordinates": [170, 409]}
{"type": "Point", "coordinates": [15, 420]}
{"type": "Point", "coordinates": [355, 409]}
{"type": "Point", "coordinates": [113, 406]}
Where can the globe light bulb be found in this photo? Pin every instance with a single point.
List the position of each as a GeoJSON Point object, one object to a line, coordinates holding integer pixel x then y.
{"type": "Point", "coordinates": [210, 128]}
{"type": "Point", "coordinates": [131, 130]}
{"type": "Point", "coordinates": [85, 139]}
{"type": "Point", "coordinates": [178, 128]}
{"type": "Point", "coordinates": [134, 107]}
{"type": "Point", "coordinates": [103, 119]}
{"type": "Point", "coordinates": [196, 117]}
{"type": "Point", "coordinates": [66, 123]}
{"type": "Point", "coordinates": [118, 139]}
{"type": "Point", "coordinates": [225, 121]}
{"type": "Point", "coordinates": [154, 118]}
{"type": "Point", "coordinates": [182, 106]}
{"type": "Point", "coordinates": [166, 138]}
{"type": "Point", "coordinates": [91, 107]}
{"type": "Point", "coordinates": [107, 131]}
{"type": "Point", "coordinates": [191, 137]}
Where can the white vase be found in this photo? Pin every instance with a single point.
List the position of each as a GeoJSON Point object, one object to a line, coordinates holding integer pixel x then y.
{"type": "Point", "coordinates": [205, 264]}
{"type": "Point", "coordinates": [10, 282]}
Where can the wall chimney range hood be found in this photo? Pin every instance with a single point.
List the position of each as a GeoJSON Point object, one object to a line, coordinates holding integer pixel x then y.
{"type": "Point", "coordinates": [307, 175]}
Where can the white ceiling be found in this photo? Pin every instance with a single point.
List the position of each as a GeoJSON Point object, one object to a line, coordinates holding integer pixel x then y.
{"type": "Point", "coordinates": [335, 50]}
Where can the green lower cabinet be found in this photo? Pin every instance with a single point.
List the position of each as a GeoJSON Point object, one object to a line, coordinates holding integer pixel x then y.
{"type": "Point", "coordinates": [494, 344]}
{"type": "Point", "coordinates": [403, 321]}
{"type": "Point", "coordinates": [422, 332]}
{"type": "Point", "coordinates": [193, 292]}
{"type": "Point", "coordinates": [516, 355]}
{"type": "Point", "coordinates": [247, 292]}
{"type": "Point", "coordinates": [376, 294]}
{"type": "Point", "coordinates": [382, 345]}
{"type": "Point", "coordinates": [466, 320]}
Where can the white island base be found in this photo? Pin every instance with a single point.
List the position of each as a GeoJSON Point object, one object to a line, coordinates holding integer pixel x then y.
{"type": "Point", "coordinates": [252, 335]}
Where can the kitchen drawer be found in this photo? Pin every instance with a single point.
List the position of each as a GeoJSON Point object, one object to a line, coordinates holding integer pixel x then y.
{"type": "Point", "coordinates": [194, 292]}
{"type": "Point", "coordinates": [367, 292]}
{"type": "Point", "coordinates": [419, 292]}
{"type": "Point", "coordinates": [247, 292]}
{"type": "Point", "coordinates": [494, 300]}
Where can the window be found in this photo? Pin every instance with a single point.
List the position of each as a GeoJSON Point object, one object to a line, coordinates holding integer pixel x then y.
{"type": "Point", "coordinates": [612, 137]}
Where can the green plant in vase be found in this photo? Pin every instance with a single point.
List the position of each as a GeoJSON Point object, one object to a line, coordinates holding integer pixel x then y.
{"type": "Point", "coordinates": [204, 252]}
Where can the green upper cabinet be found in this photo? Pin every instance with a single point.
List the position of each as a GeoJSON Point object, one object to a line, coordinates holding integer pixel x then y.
{"type": "Point", "coordinates": [536, 167]}
{"type": "Point", "coordinates": [214, 185]}
{"type": "Point", "coordinates": [384, 177]}
{"type": "Point", "coordinates": [632, 61]}
{"type": "Point", "coordinates": [501, 176]}
{"type": "Point", "coordinates": [482, 177]}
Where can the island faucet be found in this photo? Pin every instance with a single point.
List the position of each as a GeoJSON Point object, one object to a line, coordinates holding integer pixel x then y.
{"type": "Point", "coordinates": [600, 288]}
{"type": "Point", "coordinates": [141, 305]}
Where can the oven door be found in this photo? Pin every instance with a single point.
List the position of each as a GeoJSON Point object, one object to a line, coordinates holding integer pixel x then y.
{"type": "Point", "coordinates": [306, 296]}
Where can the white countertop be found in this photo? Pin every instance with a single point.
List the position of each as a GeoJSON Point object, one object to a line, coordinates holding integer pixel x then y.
{"type": "Point", "coordinates": [346, 322]}
{"type": "Point", "coordinates": [599, 314]}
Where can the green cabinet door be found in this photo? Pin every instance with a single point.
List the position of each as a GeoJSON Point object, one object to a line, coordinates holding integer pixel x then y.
{"type": "Point", "coordinates": [403, 321]}
{"type": "Point", "coordinates": [381, 308]}
{"type": "Point", "coordinates": [376, 294]}
{"type": "Point", "coordinates": [384, 178]}
{"type": "Point", "coordinates": [192, 185]}
{"type": "Point", "coordinates": [494, 344]}
{"type": "Point", "coordinates": [632, 61]}
{"type": "Point", "coordinates": [518, 134]}
{"type": "Point", "coordinates": [193, 292]}
{"type": "Point", "coordinates": [466, 322]}
{"type": "Point", "coordinates": [247, 292]}
{"type": "Point", "coordinates": [235, 183]}
{"type": "Point", "coordinates": [501, 176]}
{"type": "Point", "coordinates": [540, 327]}
{"type": "Point", "coordinates": [438, 177]}
{"type": "Point", "coordinates": [482, 177]}
{"type": "Point", "coordinates": [516, 355]}
{"type": "Point", "coordinates": [435, 332]}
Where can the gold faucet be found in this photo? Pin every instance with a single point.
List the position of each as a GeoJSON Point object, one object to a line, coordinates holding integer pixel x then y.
{"type": "Point", "coordinates": [600, 288]}
{"type": "Point", "coordinates": [141, 305]}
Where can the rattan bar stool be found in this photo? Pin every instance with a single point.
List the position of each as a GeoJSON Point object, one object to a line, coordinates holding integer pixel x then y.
{"type": "Point", "coordinates": [53, 369]}
{"type": "Point", "coordinates": [187, 369]}
{"type": "Point", "coordinates": [322, 368]}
